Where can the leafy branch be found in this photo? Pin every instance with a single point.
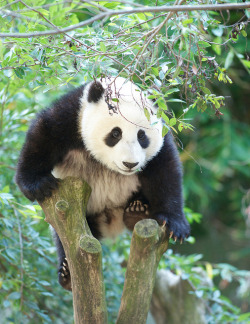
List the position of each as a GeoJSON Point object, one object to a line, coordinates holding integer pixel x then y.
{"type": "Point", "coordinates": [164, 52]}
{"type": "Point", "coordinates": [109, 13]}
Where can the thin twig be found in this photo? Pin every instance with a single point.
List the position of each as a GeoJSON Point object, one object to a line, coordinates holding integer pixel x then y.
{"type": "Point", "coordinates": [7, 166]}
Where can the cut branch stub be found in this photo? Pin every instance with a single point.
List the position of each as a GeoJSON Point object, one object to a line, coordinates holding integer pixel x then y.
{"type": "Point", "coordinates": [66, 212]}
{"type": "Point", "coordinates": [61, 207]}
{"type": "Point", "coordinates": [149, 242]}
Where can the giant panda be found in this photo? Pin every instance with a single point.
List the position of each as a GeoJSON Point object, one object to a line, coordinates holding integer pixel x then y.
{"type": "Point", "coordinates": [99, 132]}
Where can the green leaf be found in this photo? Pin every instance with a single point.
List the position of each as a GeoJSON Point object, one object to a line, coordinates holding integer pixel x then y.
{"type": "Point", "coordinates": [155, 71]}
{"type": "Point", "coordinates": [180, 127]}
{"type": "Point", "coordinates": [151, 97]}
{"type": "Point", "coordinates": [176, 100]}
{"type": "Point", "coordinates": [177, 72]}
{"type": "Point", "coordinates": [161, 75]}
{"type": "Point", "coordinates": [147, 114]}
{"type": "Point", "coordinates": [161, 103]}
{"type": "Point", "coordinates": [244, 317]}
{"type": "Point", "coordinates": [103, 47]}
{"type": "Point", "coordinates": [229, 59]}
{"type": "Point", "coordinates": [206, 90]}
{"type": "Point", "coordinates": [204, 44]}
{"type": "Point", "coordinates": [168, 92]}
{"type": "Point", "coordinates": [187, 21]}
{"type": "Point", "coordinates": [44, 283]}
{"type": "Point", "coordinates": [141, 16]}
{"type": "Point", "coordinates": [164, 130]}
{"type": "Point", "coordinates": [244, 33]}
{"type": "Point", "coordinates": [172, 122]}
{"type": "Point", "coordinates": [246, 63]}
{"type": "Point", "coordinates": [19, 72]}
{"type": "Point", "coordinates": [165, 118]}
{"type": "Point", "coordinates": [14, 296]}
{"type": "Point", "coordinates": [228, 79]}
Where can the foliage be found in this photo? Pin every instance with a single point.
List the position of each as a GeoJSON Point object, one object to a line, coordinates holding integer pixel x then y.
{"type": "Point", "coordinates": [191, 58]}
{"type": "Point", "coordinates": [201, 275]}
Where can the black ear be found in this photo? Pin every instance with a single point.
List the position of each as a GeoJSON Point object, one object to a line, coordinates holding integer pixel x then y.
{"type": "Point", "coordinates": [95, 91]}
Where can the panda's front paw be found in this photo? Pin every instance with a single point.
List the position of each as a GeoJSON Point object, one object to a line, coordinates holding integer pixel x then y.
{"type": "Point", "coordinates": [40, 188]}
{"type": "Point", "coordinates": [64, 275]}
{"type": "Point", "coordinates": [136, 211]}
{"type": "Point", "coordinates": [137, 206]}
{"type": "Point", "coordinates": [177, 227]}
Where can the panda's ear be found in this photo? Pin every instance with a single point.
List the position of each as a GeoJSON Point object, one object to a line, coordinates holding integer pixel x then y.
{"type": "Point", "coordinates": [95, 92]}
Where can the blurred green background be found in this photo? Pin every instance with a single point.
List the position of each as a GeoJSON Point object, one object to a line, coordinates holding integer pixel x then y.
{"type": "Point", "coordinates": [215, 156]}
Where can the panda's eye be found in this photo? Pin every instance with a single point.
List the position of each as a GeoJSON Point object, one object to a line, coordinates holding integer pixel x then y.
{"type": "Point", "coordinates": [143, 139]}
{"type": "Point", "coordinates": [113, 137]}
{"type": "Point", "coordinates": [141, 134]}
{"type": "Point", "coordinates": [116, 132]}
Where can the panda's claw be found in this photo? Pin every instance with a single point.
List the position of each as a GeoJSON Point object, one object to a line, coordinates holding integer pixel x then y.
{"type": "Point", "coordinates": [65, 270]}
{"type": "Point", "coordinates": [137, 205]}
{"type": "Point", "coordinates": [142, 208]}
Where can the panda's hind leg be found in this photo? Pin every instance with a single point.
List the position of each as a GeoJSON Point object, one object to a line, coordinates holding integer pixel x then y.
{"type": "Point", "coordinates": [63, 268]}
{"type": "Point", "coordinates": [134, 212]}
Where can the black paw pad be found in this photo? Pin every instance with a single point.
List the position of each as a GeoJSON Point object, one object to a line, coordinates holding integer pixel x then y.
{"type": "Point", "coordinates": [137, 206]}
{"type": "Point", "coordinates": [64, 275]}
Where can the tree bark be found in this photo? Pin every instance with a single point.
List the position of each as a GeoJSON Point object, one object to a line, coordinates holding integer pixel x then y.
{"type": "Point", "coordinates": [66, 212]}
{"type": "Point", "coordinates": [148, 243]}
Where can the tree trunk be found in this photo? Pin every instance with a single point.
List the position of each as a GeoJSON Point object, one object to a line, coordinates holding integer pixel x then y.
{"type": "Point", "coordinates": [66, 212]}
{"type": "Point", "coordinates": [147, 246]}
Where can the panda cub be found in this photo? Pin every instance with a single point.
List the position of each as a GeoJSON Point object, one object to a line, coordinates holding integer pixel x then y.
{"type": "Point", "coordinates": [99, 132]}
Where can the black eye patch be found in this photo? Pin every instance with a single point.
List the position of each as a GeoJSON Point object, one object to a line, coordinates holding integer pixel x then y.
{"type": "Point", "coordinates": [143, 139]}
{"type": "Point", "coordinates": [113, 137]}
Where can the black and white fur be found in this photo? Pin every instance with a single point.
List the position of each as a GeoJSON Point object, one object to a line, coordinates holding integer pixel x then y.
{"type": "Point", "coordinates": [134, 173]}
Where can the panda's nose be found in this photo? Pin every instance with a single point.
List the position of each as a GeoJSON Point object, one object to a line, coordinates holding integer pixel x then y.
{"type": "Point", "coordinates": [130, 165]}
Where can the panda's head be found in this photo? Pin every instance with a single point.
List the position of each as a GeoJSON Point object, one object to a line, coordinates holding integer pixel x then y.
{"type": "Point", "coordinates": [114, 127]}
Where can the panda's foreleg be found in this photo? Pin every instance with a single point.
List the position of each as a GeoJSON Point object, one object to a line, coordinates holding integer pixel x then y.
{"type": "Point", "coordinates": [161, 185]}
{"type": "Point", "coordinates": [40, 153]}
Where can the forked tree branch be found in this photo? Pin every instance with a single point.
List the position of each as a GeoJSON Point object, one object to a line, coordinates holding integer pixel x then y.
{"type": "Point", "coordinates": [110, 13]}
